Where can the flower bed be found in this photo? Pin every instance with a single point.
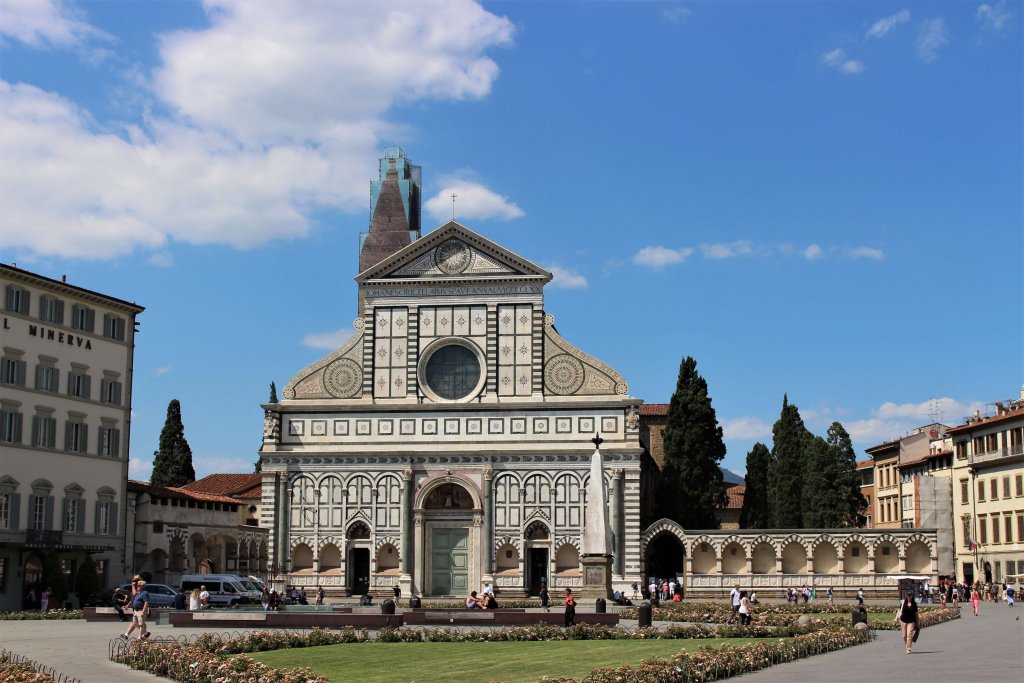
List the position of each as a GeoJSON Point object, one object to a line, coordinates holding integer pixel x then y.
{"type": "Point", "coordinates": [717, 613]}
{"type": "Point", "coordinates": [194, 663]}
{"type": "Point", "coordinates": [17, 669]}
{"type": "Point", "coordinates": [32, 615]}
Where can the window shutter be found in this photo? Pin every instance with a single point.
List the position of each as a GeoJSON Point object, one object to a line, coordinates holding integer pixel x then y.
{"type": "Point", "coordinates": [22, 369]}
{"type": "Point", "coordinates": [68, 436]}
{"type": "Point", "coordinates": [10, 298]}
{"type": "Point", "coordinates": [26, 297]}
{"type": "Point", "coordinates": [113, 518]}
{"type": "Point", "coordinates": [64, 513]}
{"type": "Point", "coordinates": [48, 513]}
{"type": "Point", "coordinates": [37, 439]}
{"type": "Point", "coordinates": [59, 312]}
{"type": "Point", "coordinates": [87, 386]}
{"type": "Point", "coordinates": [85, 439]}
{"type": "Point", "coordinates": [96, 518]}
{"type": "Point", "coordinates": [4, 436]}
{"type": "Point", "coordinates": [42, 306]}
{"type": "Point", "coordinates": [116, 443]}
{"type": "Point", "coordinates": [15, 511]}
{"type": "Point", "coordinates": [80, 521]}
{"type": "Point", "coordinates": [117, 393]}
{"type": "Point", "coordinates": [90, 320]}
{"type": "Point", "coordinates": [17, 427]}
{"type": "Point", "coordinates": [55, 382]}
{"type": "Point", "coordinates": [31, 511]}
{"type": "Point", "coordinates": [40, 382]}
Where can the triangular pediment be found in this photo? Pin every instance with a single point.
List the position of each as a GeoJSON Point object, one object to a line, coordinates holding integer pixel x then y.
{"type": "Point", "coordinates": [453, 252]}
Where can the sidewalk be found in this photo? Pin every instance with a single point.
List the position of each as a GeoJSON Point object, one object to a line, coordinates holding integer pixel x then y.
{"type": "Point", "coordinates": [980, 650]}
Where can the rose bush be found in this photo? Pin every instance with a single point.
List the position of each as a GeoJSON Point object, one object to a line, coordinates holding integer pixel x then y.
{"type": "Point", "coordinates": [34, 615]}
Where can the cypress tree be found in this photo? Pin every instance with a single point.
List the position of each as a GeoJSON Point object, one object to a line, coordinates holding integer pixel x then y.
{"type": "Point", "coordinates": [87, 582]}
{"type": "Point", "coordinates": [53, 578]}
{"type": "Point", "coordinates": [691, 480]}
{"type": "Point", "coordinates": [788, 468]}
{"type": "Point", "coordinates": [850, 502]}
{"type": "Point", "coordinates": [819, 499]}
{"type": "Point", "coordinates": [172, 464]}
{"type": "Point", "coordinates": [755, 512]}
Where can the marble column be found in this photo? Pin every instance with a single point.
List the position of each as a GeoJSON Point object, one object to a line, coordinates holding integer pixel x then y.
{"type": "Point", "coordinates": [281, 551]}
{"type": "Point", "coordinates": [407, 523]}
{"type": "Point", "coordinates": [487, 541]}
{"type": "Point", "coordinates": [618, 529]}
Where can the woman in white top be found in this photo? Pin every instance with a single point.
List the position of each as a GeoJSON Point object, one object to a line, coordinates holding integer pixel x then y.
{"type": "Point", "coordinates": [193, 600]}
{"type": "Point", "coordinates": [744, 609]}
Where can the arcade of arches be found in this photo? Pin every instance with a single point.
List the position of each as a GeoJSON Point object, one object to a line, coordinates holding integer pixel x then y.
{"type": "Point", "coordinates": [711, 561]}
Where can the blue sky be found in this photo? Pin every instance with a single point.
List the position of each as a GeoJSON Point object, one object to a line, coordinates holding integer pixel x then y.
{"type": "Point", "coordinates": [819, 199]}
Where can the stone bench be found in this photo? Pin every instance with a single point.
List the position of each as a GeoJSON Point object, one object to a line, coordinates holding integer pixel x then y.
{"type": "Point", "coordinates": [109, 614]}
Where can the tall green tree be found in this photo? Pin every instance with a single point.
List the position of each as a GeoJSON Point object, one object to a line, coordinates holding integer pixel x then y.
{"type": "Point", "coordinates": [850, 502]}
{"type": "Point", "coordinates": [172, 464]}
{"type": "Point", "coordinates": [53, 578]}
{"type": "Point", "coordinates": [755, 513]}
{"type": "Point", "coordinates": [691, 478]}
{"type": "Point", "coordinates": [788, 468]}
{"type": "Point", "coordinates": [819, 500]}
{"type": "Point", "coordinates": [87, 582]}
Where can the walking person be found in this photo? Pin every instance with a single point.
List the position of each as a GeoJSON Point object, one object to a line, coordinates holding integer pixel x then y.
{"type": "Point", "coordinates": [830, 595]}
{"type": "Point", "coordinates": [570, 608]}
{"type": "Point", "coordinates": [734, 601]}
{"type": "Point", "coordinates": [544, 597]}
{"type": "Point", "coordinates": [906, 616]}
{"type": "Point", "coordinates": [398, 593]}
{"type": "Point", "coordinates": [319, 595]}
{"type": "Point", "coordinates": [635, 586]}
{"type": "Point", "coordinates": [975, 599]}
{"type": "Point", "coordinates": [44, 599]}
{"type": "Point", "coordinates": [744, 610]}
{"type": "Point", "coordinates": [140, 610]}
{"type": "Point", "coordinates": [1010, 592]}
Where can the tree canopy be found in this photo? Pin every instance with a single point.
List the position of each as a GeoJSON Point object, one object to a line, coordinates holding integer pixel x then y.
{"type": "Point", "coordinates": [788, 468]}
{"type": "Point", "coordinates": [755, 513]}
{"type": "Point", "coordinates": [691, 484]}
{"type": "Point", "coordinates": [172, 463]}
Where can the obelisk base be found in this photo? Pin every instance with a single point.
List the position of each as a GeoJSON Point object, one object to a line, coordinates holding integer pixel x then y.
{"type": "Point", "coordinates": [597, 577]}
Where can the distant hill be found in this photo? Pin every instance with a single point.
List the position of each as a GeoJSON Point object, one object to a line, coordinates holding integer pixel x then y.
{"type": "Point", "coordinates": [731, 477]}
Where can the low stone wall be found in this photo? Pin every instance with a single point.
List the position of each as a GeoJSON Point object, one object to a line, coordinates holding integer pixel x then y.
{"type": "Point", "coordinates": [500, 617]}
{"type": "Point", "coordinates": [283, 619]}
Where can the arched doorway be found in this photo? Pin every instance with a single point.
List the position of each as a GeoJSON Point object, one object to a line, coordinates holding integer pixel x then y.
{"type": "Point", "coordinates": [666, 557]}
{"type": "Point", "coordinates": [538, 549]}
{"type": "Point", "coordinates": [357, 560]}
{"type": "Point", "coordinates": [448, 510]}
{"type": "Point", "coordinates": [33, 579]}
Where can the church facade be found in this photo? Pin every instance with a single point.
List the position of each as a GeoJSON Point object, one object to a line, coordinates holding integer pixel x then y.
{"type": "Point", "coordinates": [447, 443]}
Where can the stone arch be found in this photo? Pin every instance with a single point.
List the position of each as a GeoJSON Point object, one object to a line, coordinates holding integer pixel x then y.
{"type": "Point", "coordinates": [358, 530]}
{"type": "Point", "coordinates": [703, 556]}
{"type": "Point", "coordinates": [824, 557]}
{"type": "Point", "coordinates": [886, 554]}
{"type": "Point", "coordinates": [537, 530]}
{"type": "Point", "coordinates": [765, 538]}
{"type": "Point", "coordinates": [884, 538]}
{"type": "Point", "coordinates": [567, 558]}
{"type": "Point", "coordinates": [513, 541]}
{"type": "Point", "coordinates": [176, 553]}
{"type": "Point", "coordinates": [917, 538]}
{"type": "Point", "coordinates": [794, 556]}
{"type": "Point", "coordinates": [854, 538]}
{"type": "Point", "coordinates": [855, 555]}
{"type": "Point", "coordinates": [662, 526]}
{"type": "Point", "coordinates": [330, 559]}
{"type": "Point", "coordinates": [537, 488]}
{"type": "Point", "coordinates": [392, 540]}
{"type": "Point", "coordinates": [734, 556]}
{"type": "Point", "coordinates": [359, 490]}
{"type": "Point", "coordinates": [569, 540]}
{"type": "Point", "coordinates": [918, 556]}
{"type": "Point", "coordinates": [302, 558]}
{"type": "Point", "coordinates": [763, 556]}
{"type": "Point", "coordinates": [506, 556]}
{"type": "Point", "coordinates": [429, 486]}
{"type": "Point", "coordinates": [387, 558]}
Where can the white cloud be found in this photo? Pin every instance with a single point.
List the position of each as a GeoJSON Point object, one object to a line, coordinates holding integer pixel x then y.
{"type": "Point", "coordinates": [866, 252]}
{"type": "Point", "coordinates": [931, 38]}
{"type": "Point", "coordinates": [327, 340]}
{"type": "Point", "coordinates": [472, 200]}
{"type": "Point", "coordinates": [161, 371]}
{"type": "Point", "coordinates": [659, 257]}
{"type": "Point", "coordinates": [884, 25]}
{"type": "Point", "coordinates": [44, 23]}
{"type": "Point", "coordinates": [675, 15]}
{"type": "Point", "coordinates": [727, 249]}
{"type": "Point", "coordinates": [273, 114]}
{"type": "Point", "coordinates": [161, 259]}
{"type": "Point", "coordinates": [566, 278]}
{"type": "Point", "coordinates": [837, 60]}
{"type": "Point", "coordinates": [746, 428]}
{"type": "Point", "coordinates": [893, 420]}
{"type": "Point", "coordinates": [813, 252]}
{"type": "Point", "coordinates": [141, 468]}
{"type": "Point", "coordinates": [993, 17]}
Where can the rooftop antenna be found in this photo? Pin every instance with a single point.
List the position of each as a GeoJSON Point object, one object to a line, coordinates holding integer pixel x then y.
{"type": "Point", "coordinates": [453, 205]}
{"type": "Point", "coordinates": [935, 412]}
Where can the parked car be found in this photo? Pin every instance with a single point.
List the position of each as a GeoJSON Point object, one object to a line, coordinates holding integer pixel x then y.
{"type": "Point", "coordinates": [159, 594]}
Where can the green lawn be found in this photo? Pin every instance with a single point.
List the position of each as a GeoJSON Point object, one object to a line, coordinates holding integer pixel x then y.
{"type": "Point", "coordinates": [474, 662]}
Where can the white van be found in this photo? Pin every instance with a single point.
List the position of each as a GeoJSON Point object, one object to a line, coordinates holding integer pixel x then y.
{"type": "Point", "coordinates": [224, 589]}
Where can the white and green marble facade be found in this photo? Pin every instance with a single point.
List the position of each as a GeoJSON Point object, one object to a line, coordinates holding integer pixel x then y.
{"type": "Point", "coordinates": [362, 456]}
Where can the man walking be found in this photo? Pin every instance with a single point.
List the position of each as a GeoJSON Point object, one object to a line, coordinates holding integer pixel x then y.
{"type": "Point", "coordinates": [140, 609]}
{"type": "Point", "coordinates": [735, 598]}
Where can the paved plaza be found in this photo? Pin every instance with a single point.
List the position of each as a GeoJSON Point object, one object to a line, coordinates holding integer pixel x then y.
{"type": "Point", "coordinates": [979, 650]}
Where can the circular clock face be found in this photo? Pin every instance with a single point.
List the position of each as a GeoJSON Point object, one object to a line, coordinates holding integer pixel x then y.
{"type": "Point", "coordinates": [452, 372]}
{"type": "Point", "coordinates": [453, 257]}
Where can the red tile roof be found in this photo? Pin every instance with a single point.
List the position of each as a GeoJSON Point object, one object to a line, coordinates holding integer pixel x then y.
{"type": "Point", "coordinates": [654, 409]}
{"type": "Point", "coordinates": [986, 421]}
{"type": "Point", "coordinates": [866, 462]}
{"type": "Point", "coordinates": [225, 484]}
{"type": "Point", "coordinates": [179, 493]}
{"type": "Point", "coordinates": [734, 496]}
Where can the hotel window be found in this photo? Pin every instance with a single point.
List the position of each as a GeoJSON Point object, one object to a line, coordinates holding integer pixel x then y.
{"type": "Point", "coordinates": [76, 434]}
{"type": "Point", "coordinates": [79, 382]}
{"type": "Point", "coordinates": [993, 488]}
{"type": "Point", "coordinates": [1019, 480]}
{"type": "Point", "coordinates": [51, 310]}
{"type": "Point", "coordinates": [1016, 439]}
{"type": "Point", "coordinates": [113, 327]}
{"type": "Point", "coordinates": [981, 491]}
{"type": "Point", "coordinates": [10, 423]}
{"type": "Point", "coordinates": [908, 503]}
{"type": "Point", "coordinates": [964, 491]}
{"type": "Point", "coordinates": [44, 430]}
{"type": "Point", "coordinates": [6, 510]}
{"type": "Point", "coordinates": [40, 507]}
{"type": "Point", "coordinates": [978, 445]}
{"type": "Point", "coordinates": [961, 450]}
{"type": "Point", "coordinates": [995, 529]}
{"type": "Point", "coordinates": [983, 529]}
{"type": "Point", "coordinates": [110, 391]}
{"type": "Point", "coordinates": [110, 440]}
{"type": "Point", "coordinates": [72, 514]}
{"type": "Point", "coordinates": [12, 368]}
{"type": "Point", "coordinates": [18, 299]}
{"type": "Point", "coordinates": [83, 318]}
{"type": "Point", "coordinates": [1008, 527]}
{"type": "Point", "coordinates": [106, 513]}
{"type": "Point", "coordinates": [1006, 487]}
{"type": "Point", "coordinates": [1020, 526]}
{"type": "Point", "coordinates": [991, 443]}
{"type": "Point", "coordinates": [47, 376]}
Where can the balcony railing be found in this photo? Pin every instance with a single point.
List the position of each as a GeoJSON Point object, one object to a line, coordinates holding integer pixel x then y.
{"type": "Point", "coordinates": [44, 537]}
{"type": "Point", "coordinates": [1012, 451]}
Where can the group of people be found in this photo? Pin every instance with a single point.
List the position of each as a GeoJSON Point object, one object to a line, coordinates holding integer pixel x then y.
{"type": "Point", "coordinates": [43, 600]}
{"type": "Point", "coordinates": [805, 593]}
{"type": "Point", "coordinates": [740, 602]}
{"type": "Point", "coordinates": [663, 589]}
{"type": "Point", "coordinates": [271, 599]}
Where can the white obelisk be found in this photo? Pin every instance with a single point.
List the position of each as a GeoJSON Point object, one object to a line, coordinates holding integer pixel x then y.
{"type": "Point", "coordinates": [597, 545]}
